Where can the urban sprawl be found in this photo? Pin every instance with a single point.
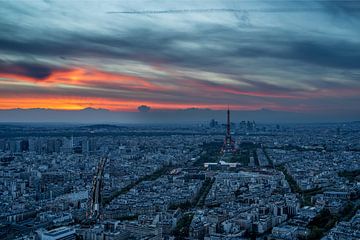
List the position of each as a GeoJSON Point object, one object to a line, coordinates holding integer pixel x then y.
{"type": "Point", "coordinates": [215, 180]}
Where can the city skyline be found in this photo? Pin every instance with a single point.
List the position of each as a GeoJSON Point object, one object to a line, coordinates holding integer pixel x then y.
{"type": "Point", "coordinates": [179, 120]}
{"type": "Point", "coordinates": [285, 56]}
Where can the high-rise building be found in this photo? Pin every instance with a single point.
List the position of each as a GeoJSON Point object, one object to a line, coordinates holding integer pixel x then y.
{"type": "Point", "coordinates": [88, 146]}
{"type": "Point", "coordinates": [213, 123]}
{"type": "Point", "coordinates": [68, 145]}
{"type": "Point", "coordinates": [24, 145]}
{"type": "Point", "coordinates": [2, 145]}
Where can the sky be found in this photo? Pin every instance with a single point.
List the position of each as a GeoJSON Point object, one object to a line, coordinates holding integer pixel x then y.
{"type": "Point", "coordinates": [294, 56]}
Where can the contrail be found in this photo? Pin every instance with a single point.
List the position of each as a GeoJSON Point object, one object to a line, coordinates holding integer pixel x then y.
{"type": "Point", "coordinates": [214, 10]}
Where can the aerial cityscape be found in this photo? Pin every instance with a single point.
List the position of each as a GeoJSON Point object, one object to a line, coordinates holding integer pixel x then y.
{"type": "Point", "coordinates": [171, 120]}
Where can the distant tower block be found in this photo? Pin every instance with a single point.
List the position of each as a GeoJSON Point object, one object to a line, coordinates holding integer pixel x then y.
{"type": "Point", "coordinates": [229, 144]}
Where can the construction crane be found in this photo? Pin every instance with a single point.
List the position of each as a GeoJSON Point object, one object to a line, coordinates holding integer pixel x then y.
{"type": "Point", "coordinates": [95, 197]}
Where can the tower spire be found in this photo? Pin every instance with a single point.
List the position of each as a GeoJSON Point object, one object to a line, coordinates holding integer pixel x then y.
{"type": "Point", "coordinates": [228, 122]}
{"type": "Point", "coordinates": [228, 143]}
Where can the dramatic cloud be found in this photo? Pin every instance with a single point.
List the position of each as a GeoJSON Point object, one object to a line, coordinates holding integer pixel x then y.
{"type": "Point", "coordinates": [31, 70]}
{"type": "Point", "coordinates": [282, 55]}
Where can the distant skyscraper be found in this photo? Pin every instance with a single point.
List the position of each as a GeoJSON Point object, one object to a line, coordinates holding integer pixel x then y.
{"type": "Point", "coordinates": [213, 123]}
{"type": "Point", "coordinates": [89, 146]}
{"type": "Point", "coordinates": [24, 145]}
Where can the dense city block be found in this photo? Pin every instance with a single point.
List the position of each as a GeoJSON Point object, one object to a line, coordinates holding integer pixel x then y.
{"type": "Point", "coordinates": [205, 181]}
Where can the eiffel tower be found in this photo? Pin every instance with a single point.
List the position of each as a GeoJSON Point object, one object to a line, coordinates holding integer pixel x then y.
{"type": "Point", "coordinates": [229, 143]}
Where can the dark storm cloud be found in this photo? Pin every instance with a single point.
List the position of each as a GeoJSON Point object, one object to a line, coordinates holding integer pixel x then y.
{"type": "Point", "coordinates": [160, 45]}
{"type": "Point", "coordinates": [56, 47]}
{"type": "Point", "coordinates": [26, 69]}
{"type": "Point", "coordinates": [331, 54]}
{"type": "Point", "coordinates": [151, 46]}
{"type": "Point", "coordinates": [345, 7]}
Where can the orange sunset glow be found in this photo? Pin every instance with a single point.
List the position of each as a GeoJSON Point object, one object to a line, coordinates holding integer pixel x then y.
{"type": "Point", "coordinates": [83, 79]}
